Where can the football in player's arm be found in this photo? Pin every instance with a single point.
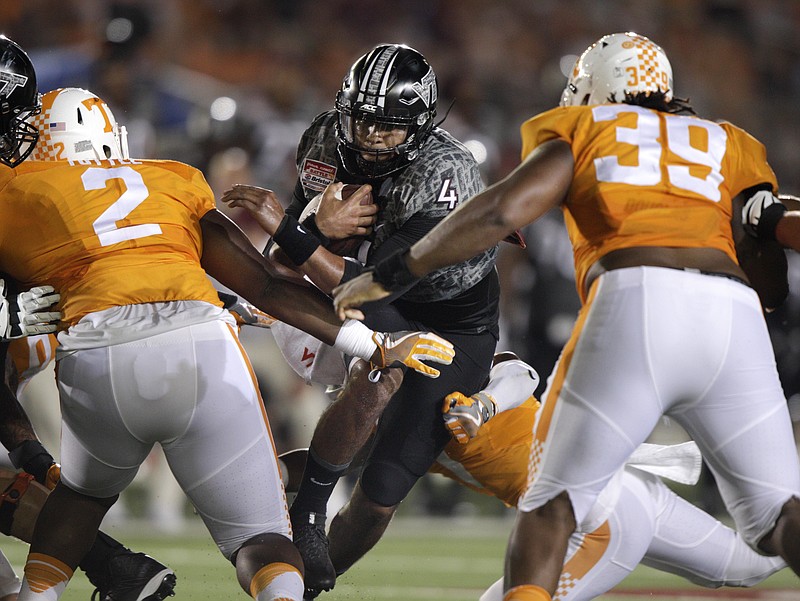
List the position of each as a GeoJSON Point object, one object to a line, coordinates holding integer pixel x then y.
{"type": "Point", "coordinates": [382, 139]}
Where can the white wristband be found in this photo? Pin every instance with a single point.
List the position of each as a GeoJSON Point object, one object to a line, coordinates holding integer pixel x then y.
{"type": "Point", "coordinates": [354, 338]}
{"type": "Point", "coordinates": [511, 383]}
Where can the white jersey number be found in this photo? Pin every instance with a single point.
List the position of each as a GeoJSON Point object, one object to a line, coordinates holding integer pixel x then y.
{"type": "Point", "coordinates": [136, 192]}
{"type": "Point", "coordinates": [448, 194]}
{"type": "Point", "coordinates": [646, 137]}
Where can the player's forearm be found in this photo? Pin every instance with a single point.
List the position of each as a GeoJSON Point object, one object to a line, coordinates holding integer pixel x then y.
{"type": "Point", "coordinates": [787, 232]}
{"type": "Point", "coordinates": [325, 269]}
{"type": "Point", "coordinates": [15, 427]}
{"type": "Point", "coordinates": [473, 227]}
{"type": "Point", "coordinates": [302, 307]}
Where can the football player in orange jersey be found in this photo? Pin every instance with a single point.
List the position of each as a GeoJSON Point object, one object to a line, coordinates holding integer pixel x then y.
{"type": "Point", "coordinates": [128, 243]}
{"type": "Point", "coordinates": [637, 518]}
{"type": "Point", "coordinates": [669, 324]}
{"type": "Point", "coordinates": [117, 572]}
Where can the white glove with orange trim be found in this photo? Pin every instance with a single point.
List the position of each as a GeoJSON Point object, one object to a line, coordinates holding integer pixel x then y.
{"type": "Point", "coordinates": [250, 315]}
{"type": "Point", "coordinates": [245, 313]}
{"type": "Point", "coordinates": [411, 349]}
{"type": "Point", "coordinates": [464, 415]}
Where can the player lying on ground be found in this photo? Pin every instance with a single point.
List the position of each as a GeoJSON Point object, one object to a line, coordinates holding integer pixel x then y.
{"type": "Point", "coordinates": [637, 519]}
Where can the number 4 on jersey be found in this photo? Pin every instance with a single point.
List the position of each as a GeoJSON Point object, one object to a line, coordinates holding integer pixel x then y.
{"type": "Point", "coordinates": [448, 194]}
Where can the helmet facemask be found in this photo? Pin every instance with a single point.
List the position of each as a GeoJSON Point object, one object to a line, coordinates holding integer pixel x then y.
{"type": "Point", "coordinates": [19, 100]}
{"type": "Point", "coordinates": [77, 125]}
{"type": "Point", "coordinates": [20, 141]}
{"type": "Point", "coordinates": [385, 111]}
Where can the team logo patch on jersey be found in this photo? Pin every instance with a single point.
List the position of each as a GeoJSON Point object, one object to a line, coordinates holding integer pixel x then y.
{"type": "Point", "coordinates": [316, 175]}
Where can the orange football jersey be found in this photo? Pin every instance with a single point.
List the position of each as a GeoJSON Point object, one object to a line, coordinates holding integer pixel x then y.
{"type": "Point", "coordinates": [647, 178]}
{"type": "Point", "coordinates": [495, 462]}
{"type": "Point", "coordinates": [105, 233]}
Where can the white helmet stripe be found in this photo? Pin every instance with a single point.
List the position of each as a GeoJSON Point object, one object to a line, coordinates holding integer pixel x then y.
{"type": "Point", "coordinates": [376, 78]}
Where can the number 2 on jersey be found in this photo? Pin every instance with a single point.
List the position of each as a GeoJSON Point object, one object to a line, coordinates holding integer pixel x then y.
{"type": "Point", "coordinates": [136, 192]}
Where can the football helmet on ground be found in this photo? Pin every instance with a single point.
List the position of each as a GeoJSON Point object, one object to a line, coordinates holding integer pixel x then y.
{"type": "Point", "coordinates": [77, 125]}
{"type": "Point", "coordinates": [391, 90]}
{"type": "Point", "coordinates": [616, 67]}
{"type": "Point", "coordinates": [19, 99]}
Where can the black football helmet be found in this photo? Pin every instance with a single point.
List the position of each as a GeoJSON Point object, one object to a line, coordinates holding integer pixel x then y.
{"type": "Point", "coordinates": [19, 99]}
{"type": "Point", "coordinates": [392, 87]}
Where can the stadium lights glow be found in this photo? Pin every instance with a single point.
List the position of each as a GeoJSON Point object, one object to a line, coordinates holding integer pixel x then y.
{"type": "Point", "coordinates": [478, 150]}
{"type": "Point", "coordinates": [223, 108]}
{"type": "Point", "coordinates": [119, 30]}
{"type": "Point", "coordinates": [566, 63]}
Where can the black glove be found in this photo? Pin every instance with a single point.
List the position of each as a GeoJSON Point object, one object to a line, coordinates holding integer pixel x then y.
{"type": "Point", "coordinates": [34, 459]}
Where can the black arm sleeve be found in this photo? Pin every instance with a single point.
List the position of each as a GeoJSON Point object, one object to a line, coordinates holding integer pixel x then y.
{"type": "Point", "coordinates": [413, 229]}
{"type": "Point", "coordinates": [298, 202]}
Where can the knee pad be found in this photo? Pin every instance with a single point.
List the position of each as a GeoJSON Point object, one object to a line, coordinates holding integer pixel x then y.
{"type": "Point", "coordinates": [387, 483]}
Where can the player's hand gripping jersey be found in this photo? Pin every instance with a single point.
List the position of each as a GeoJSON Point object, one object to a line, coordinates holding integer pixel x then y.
{"type": "Point", "coordinates": [648, 174]}
{"type": "Point", "coordinates": [106, 233]}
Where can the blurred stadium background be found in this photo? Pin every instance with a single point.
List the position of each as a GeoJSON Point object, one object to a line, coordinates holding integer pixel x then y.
{"type": "Point", "coordinates": [229, 85]}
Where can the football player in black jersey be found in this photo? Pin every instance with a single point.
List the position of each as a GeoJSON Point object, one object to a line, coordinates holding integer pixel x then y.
{"type": "Point", "coordinates": [381, 134]}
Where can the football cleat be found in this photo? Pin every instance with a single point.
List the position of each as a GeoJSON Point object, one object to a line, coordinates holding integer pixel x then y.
{"type": "Point", "coordinates": [130, 576]}
{"type": "Point", "coordinates": [312, 542]}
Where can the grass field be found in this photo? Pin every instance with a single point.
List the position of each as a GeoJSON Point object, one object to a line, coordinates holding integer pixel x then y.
{"type": "Point", "coordinates": [445, 559]}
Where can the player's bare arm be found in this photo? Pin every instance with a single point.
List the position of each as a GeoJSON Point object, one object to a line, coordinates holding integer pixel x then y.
{"type": "Point", "coordinates": [532, 189]}
{"type": "Point", "coordinates": [264, 206]}
{"type": "Point", "coordinates": [230, 258]}
{"type": "Point", "coordinates": [324, 268]}
{"type": "Point", "coordinates": [296, 252]}
{"type": "Point", "coordinates": [536, 186]}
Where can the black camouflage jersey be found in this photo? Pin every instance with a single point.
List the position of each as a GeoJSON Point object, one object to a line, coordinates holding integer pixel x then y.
{"type": "Point", "coordinates": [444, 174]}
